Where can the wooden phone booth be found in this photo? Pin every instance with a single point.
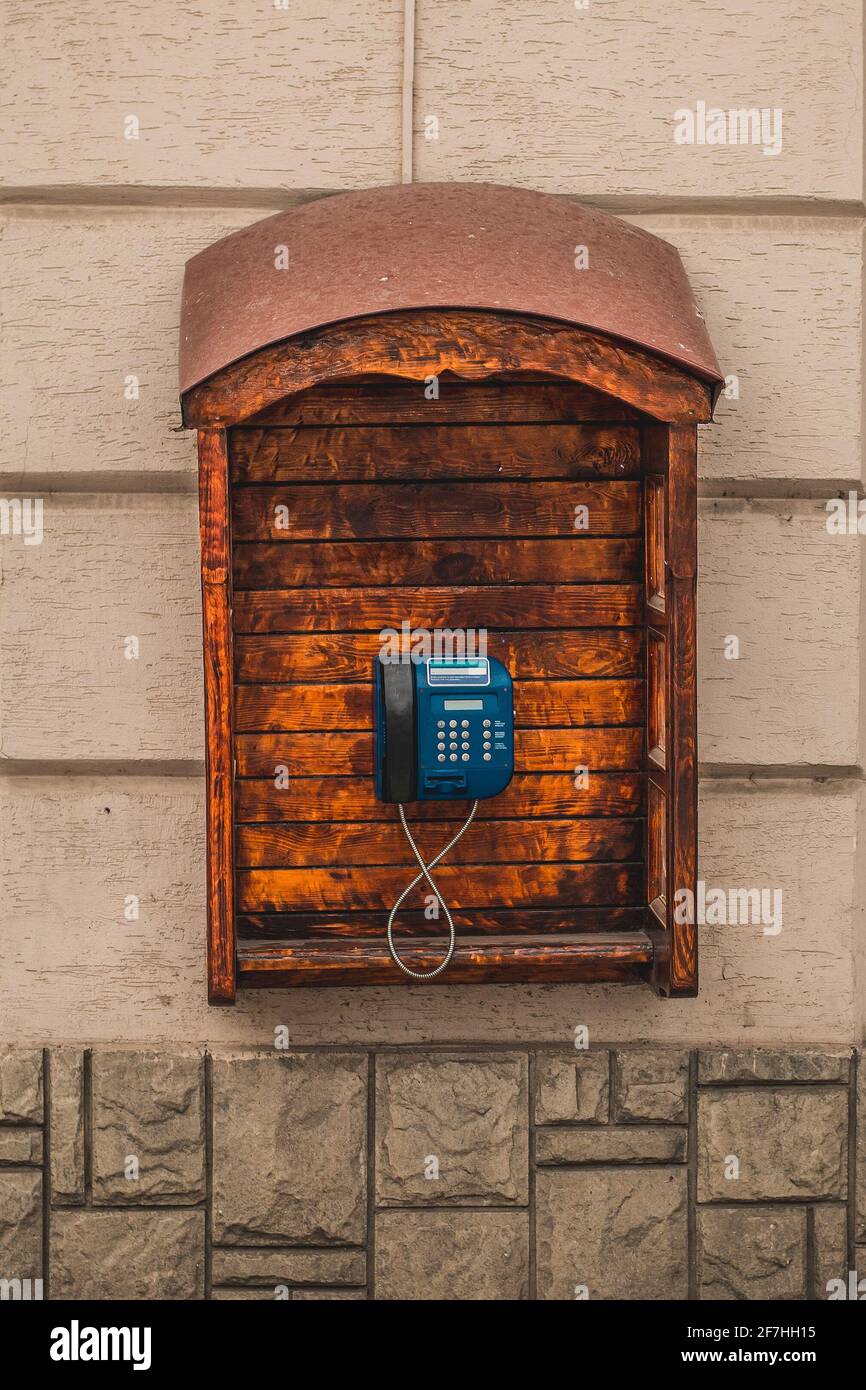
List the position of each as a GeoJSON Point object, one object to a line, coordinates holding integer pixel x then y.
{"type": "Point", "coordinates": [461, 407]}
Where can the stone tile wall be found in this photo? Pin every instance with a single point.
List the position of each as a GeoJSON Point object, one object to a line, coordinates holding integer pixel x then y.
{"type": "Point", "coordinates": [442, 1172]}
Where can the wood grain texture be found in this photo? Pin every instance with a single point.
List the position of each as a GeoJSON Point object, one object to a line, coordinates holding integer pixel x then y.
{"type": "Point", "coordinates": [342, 707]}
{"type": "Point", "coordinates": [348, 656]}
{"type": "Point", "coordinates": [351, 754]}
{"type": "Point", "coordinates": [485, 842]}
{"type": "Point", "coordinates": [406, 453]}
{"type": "Point", "coordinates": [69, 842]}
{"type": "Point", "coordinates": [675, 970]}
{"type": "Point", "coordinates": [218, 692]}
{"type": "Point", "coordinates": [493, 606]}
{"type": "Point", "coordinates": [407, 510]}
{"type": "Point", "coordinates": [377, 400]}
{"type": "Point", "coordinates": [354, 799]}
{"type": "Point", "coordinates": [242, 126]}
{"type": "Point", "coordinates": [622, 956]}
{"type": "Point", "coordinates": [503, 85]}
{"type": "Point", "coordinates": [509, 885]}
{"type": "Point", "coordinates": [427, 452]}
{"type": "Point", "coordinates": [259, 565]}
{"type": "Point", "coordinates": [418, 345]}
{"type": "Point", "coordinates": [499, 921]}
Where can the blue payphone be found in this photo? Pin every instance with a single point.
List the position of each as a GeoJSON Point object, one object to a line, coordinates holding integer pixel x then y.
{"type": "Point", "coordinates": [444, 731]}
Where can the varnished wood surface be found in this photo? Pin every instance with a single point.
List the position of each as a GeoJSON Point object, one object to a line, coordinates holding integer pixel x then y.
{"type": "Point", "coordinates": [423, 344]}
{"type": "Point", "coordinates": [452, 523]}
{"type": "Point", "coordinates": [354, 799]}
{"type": "Point", "coordinates": [218, 687]}
{"type": "Point", "coordinates": [408, 562]}
{"type": "Point", "coordinates": [493, 606]}
{"type": "Point", "coordinates": [425, 452]}
{"type": "Point", "coordinates": [485, 842]}
{"type": "Point", "coordinates": [619, 957]}
{"type": "Point", "coordinates": [671, 453]}
{"type": "Point", "coordinates": [537, 704]}
{"type": "Point", "coordinates": [503, 921]}
{"type": "Point", "coordinates": [486, 885]}
{"type": "Point", "coordinates": [530, 398]}
{"type": "Point", "coordinates": [681, 711]}
{"type": "Point", "coordinates": [351, 754]}
{"type": "Point", "coordinates": [369, 511]}
{"type": "Point", "coordinates": [348, 656]}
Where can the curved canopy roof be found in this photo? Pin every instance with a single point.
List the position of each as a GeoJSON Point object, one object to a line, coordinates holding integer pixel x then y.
{"type": "Point", "coordinates": [437, 245]}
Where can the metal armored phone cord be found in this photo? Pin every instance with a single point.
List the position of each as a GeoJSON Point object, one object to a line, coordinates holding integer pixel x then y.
{"type": "Point", "coordinates": [425, 874]}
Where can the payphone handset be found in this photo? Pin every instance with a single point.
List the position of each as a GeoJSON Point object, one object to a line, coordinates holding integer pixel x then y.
{"type": "Point", "coordinates": [444, 731]}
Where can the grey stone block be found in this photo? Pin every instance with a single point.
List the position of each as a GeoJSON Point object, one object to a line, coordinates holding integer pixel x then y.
{"type": "Point", "coordinates": [456, 1255]}
{"type": "Point", "coordinates": [613, 1144]}
{"type": "Point", "coordinates": [20, 1225]}
{"type": "Point", "coordinates": [462, 1119]}
{"type": "Point", "coordinates": [651, 1083]}
{"type": "Point", "coordinates": [148, 1119]}
{"type": "Point", "coordinates": [572, 1088]}
{"type": "Point", "coordinates": [20, 1146]}
{"type": "Point", "coordinates": [831, 1247]}
{"type": "Point", "coordinates": [752, 1252]}
{"type": "Point", "coordinates": [289, 1148]}
{"type": "Point", "coordinates": [328, 1295]}
{"type": "Point", "coordinates": [111, 1255]}
{"type": "Point", "coordinates": [283, 1295]}
{"type": "Point", "coordinates": [860, 1169]}
{"type": "Point", "coordinates": [66, 1103]}
{"type": "Point", "coordinates": [20, 1084]}
{"type": "Point", "coordinates": [721, 1064]}
{"type": "Point", "coordinates": [272, 1266]}
{"type": "Point", "coordinates": [615, 1233]}
{"type": "Point", "coordinates": [248, 1296]}
{"type": "Point", "coordinates": [780, 1141]}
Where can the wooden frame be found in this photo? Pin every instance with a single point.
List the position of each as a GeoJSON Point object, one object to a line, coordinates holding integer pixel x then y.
{"type": "Point", "coordinates": [476, 346]}
{"type": "Point", "coordinates": [218, 687]}
{"type": "Point", "coordinates": [670, 454]}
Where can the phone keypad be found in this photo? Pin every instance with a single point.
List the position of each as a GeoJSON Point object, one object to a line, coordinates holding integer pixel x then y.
{"type": "Point", "coordinates": [470, 740]}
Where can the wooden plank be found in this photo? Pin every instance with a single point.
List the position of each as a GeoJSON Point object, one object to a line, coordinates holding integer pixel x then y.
{"type": "Point", "coordinates": [362, 453]}
{"type": "Point", "coordinates": [298, 708]}
{"type": "Point", "coordinates": [470, 608]}
{"type": "Point", "coordinates": [597, 959]}
{"type": "Point", "coordinates": [419, 344]}
{"type": "Point", "coordinates": [377, 400]}
{"type": "Point", "coordinates": [681, 977]}
{"type": "Point", "coordinates": [351, 754]}
{"type": "Point", "coordinates": [348, 656]}
{"type": "Point", "coordinates": [489, 842]}
{"type": "Point", "coordinates": [482, 885]}
{"type": "Point", "coordinates": [272, 565]}
{"type": "Point", "coordinates": [505, 921]}
{"type": "Point", "coordinates": [673, 819]}
{"type": "Point", "coordinates": [217, 638]}
{"type": "Point", "coordinates": [368, 511]}
{"type": "Point", "coordinates": [353, 798]}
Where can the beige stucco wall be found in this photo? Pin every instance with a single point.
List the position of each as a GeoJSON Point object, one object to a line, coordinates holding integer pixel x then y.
{"type": "Point", "coordinates": [244, 109]}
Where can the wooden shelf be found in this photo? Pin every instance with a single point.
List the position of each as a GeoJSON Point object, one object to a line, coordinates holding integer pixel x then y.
{"type": "Point", "coordinates": [592, 957]}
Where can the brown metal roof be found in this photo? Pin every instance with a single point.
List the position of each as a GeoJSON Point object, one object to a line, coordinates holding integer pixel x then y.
{"type": "Point", "coordinates": [437, 245]}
